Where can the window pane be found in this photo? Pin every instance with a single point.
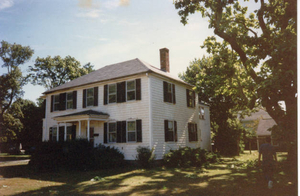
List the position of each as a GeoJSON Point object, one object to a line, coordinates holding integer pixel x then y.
{"type": "Point", "coordinates": [69, 96]}
{"type": "Point", "coordinates": [131, 136]}
{"type": "Point", "coordinates": [90, 92]}
{"type": "Point", "coordinates": [56, 98]}
{"type": "Point", "coordinates": [130, 85]}
{"type": "Point", "coordinates": [131, 126]}
{"type": "Point", "coordinates": [169, 87]}
{"type": "Point", "coordinates": [112, 127]}
{"type": "Point", "coordinates": [112, 98]}
{"type": "Point", "coordinates": [112, 137]}
{"type": "Point", "coordinates": [131, 95]}
{"type": "Point", "coordinates": [112, 89]}
{"type": "Point", "coordinates": [90, 101]}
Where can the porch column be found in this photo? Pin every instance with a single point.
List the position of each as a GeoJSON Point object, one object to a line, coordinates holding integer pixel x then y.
{"type": "Point", "coordinates": [65, 135]}
{"type": "Point", "coordinates": [79, 129]}
{"type": "Point", "coordinates": [88, 130]}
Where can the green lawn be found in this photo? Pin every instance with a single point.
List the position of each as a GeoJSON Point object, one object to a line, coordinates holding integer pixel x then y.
{"type": "Point", "coordinates": [232, 176]}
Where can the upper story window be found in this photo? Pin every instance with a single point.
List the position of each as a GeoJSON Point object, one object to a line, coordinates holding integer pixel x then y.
{"type": "Point", "coordinates": [70, 100]}
{"type": "Point", "coordinates": [131, 89]}
{"type": "Point", "coordinates": [90, 97]}
{"type": "Point", "coordinates": [201, 112]}
{"type": "Point", "coordinates": [170, 131]}
{"type": "Point", "coordinates": [112, 93]}
{"type": "Point", "coordinates": [169, 92]}
{"type": "Point", "coordinates": [56, 102]}
{"type": "Point", "coordinates": [190, 97]}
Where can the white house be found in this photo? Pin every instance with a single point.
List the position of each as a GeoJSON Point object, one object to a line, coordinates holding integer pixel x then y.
{"type": "Point", "coordinates": [126, 105]}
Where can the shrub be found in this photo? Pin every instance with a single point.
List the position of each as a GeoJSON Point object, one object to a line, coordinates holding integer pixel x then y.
{"type": "Point", "coordinates": [189, 157]}
{"type": "Point", "coordinates": [145, 157]}
{"type": "Point", "coordinates": [75, 155]}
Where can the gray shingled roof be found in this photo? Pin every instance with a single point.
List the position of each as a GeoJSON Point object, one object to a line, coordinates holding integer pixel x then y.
{"type": "Point", "coordinates": [87, 112]}
{"type": "Point", "coordinates": [114, 71]}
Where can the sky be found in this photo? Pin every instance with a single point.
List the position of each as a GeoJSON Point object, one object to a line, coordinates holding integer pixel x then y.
{"type": "Point", "coordinates": [102, 32]}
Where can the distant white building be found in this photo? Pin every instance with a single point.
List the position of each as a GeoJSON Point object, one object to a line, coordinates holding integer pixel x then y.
{"type": "Point", "coordinates": [126, 105]}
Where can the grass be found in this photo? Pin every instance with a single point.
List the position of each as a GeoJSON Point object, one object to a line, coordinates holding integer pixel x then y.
{"type": "Point", "coordinates": [232, 176]}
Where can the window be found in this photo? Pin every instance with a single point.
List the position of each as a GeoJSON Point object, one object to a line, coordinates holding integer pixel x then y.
{"type": "Point", "coordinates": [69, 133]}
{"type": "Point", "coordinates": [130, 90]}
{"type": "Point", "coordinates": [54, 134]}
{"type": "Point", "coordinates": [70, 100]}
{"type": "Point", "coordinates": [131, 131]}
{"type": "Point", "coordinates": [193, 133]}
{"type": "Point", "coordinates": [112, 132]}
{"type": "Point", "coordinates": [170, 131]}
{"type": "Point", "coordinates": [190, 96]}
{"type": "Point", "coordinates": [112, 93]}
{"type": "Point", "coordinates": [201, 112]}
{"type": "Point", "coordinates": [90, 97]}
{"type": "Point", "coordinates": [56, 103]}
{"type": "Point", "coordinates": [169, 92]}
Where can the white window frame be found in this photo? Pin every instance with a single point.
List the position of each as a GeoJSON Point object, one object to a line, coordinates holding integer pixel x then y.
{"type": "Point", "coordinates": [134, 131]}
{"type": "Point", "coordinates": [108, 132]}
{"type": "Point", "coordinates": [133, 90]}
{"type": "Point", "coordinates": [191, 99]}
{"type": "Point", "coordinates": [195, 130]}
{"type": "Point", "coordinates": [68, 101]}
{"type": "Point", "coordinates": [55, 136]}
{"type": "Point", "coordinates": [90, 97]}
{"type": "Point", "coordinates": [111, 94]}
{"type": "Point", "coordinates": [170, 90]}
{"type": "Point", "coordinates": [201, 114]}
{"type": "Point", "coordinates": [55, 102]}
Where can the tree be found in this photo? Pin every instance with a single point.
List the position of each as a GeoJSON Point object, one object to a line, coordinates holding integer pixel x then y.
{"type": "Point", "coordinates": [52, 72]}
{"type": "Point", "coordinates": [218, 85]}
{"type": "Point", "coordinates": [11, 83]}
{"type": "Point", "coordinates": [265, 44]}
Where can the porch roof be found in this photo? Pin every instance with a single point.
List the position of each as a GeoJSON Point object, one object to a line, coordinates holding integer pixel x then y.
{"type": "Point", "coordinates": [84, 115]}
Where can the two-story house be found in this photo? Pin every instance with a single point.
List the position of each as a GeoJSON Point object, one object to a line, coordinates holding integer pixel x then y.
{"type": "Point", "coordinates": [126, 105]}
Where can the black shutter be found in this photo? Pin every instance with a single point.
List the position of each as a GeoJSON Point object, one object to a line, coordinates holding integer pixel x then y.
{"type": "Point", "coordinates": [121, 92]}
{"type": "Point", "coordinates": [139, 130]}
{"type": "Point", "coordinates": [51, 104]}
{"type": "Point", "coordinates": [189, 130]}
{"type": "Point", "coordinates": [74, 99]}
{"type": "Point", "coordinates": [174, 97]}
{"type": "Point", "coordinates": [105, 133]}
{"type": "Point", "coordinates": [194, 100]}
{"type": "Point", "coordinates": [188, 97]}
{"type": "Point", "coordinates": [119, 132]}
{"type": "Point", "coordinates": [138, 89]}
{"type": "Point", "coordinates": [166, 131]}
{"type": "Point", "coordinates": [165, 86]}
{"type": "Point", "coordinates": [175, 131]}
{"type": "Point", "coordinates": [105, 95]}
{"type": "Point", "coordinates": [123, 132]}
{"type": "Point", "coordinates": [50, 134]}
{"type": "Point", "coordinates": [84, 99]}
{"type": "Point", "coordinates": [73, 132]}
{"type": "Point", "coordinates": [96, 96]}
{"type": "Point", "coordinates": [61, 134]}
{"type": "Point", "coordinates": [62, 101]}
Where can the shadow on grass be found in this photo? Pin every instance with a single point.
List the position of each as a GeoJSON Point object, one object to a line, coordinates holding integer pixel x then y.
{"type": "Point", "coordinates": [225, 178]}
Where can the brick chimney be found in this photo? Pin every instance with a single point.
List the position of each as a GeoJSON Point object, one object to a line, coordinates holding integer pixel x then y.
{"type": "Point", "coordinates": [164, 59]}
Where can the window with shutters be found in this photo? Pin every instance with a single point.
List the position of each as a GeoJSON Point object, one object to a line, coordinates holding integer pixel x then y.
{"type": "Point", "coordinates": [170, 131]}
{"type": "Point", "coordinates": [56, 99]}
{"type": "Point", "coordinates": [69, 100]}
{"type": "Point", "coordinates": [90, 97]}
{"type": "Point", "coordinates": [169, 92]}
{"type": "Point", "coordinates": [131, 131]}
{"type": "Point", "coordinates": [130, 89]}
{"type": "Point", "coordinates": [112, 132]}
{"type": "Point", "coordinates": [192, 130]}
{"type": "Point", "coordinates": [201, 112]}
{"type": "Point", "coordinates": [112, 93]}
{"type": "Point", "coordinates": [190, 96]}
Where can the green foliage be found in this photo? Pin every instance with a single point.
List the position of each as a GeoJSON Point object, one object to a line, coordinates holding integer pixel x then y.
{"type": "Point", "coordinates": [189, 157]}
{"type": "Point", "coordinates": [52, 72]}
{"type": "Point", "coordinates": [11, 83]}
{"type": "Point", "coordinates": [75, 155]}
{"type": "Point", "coordinates": [145, 157]}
